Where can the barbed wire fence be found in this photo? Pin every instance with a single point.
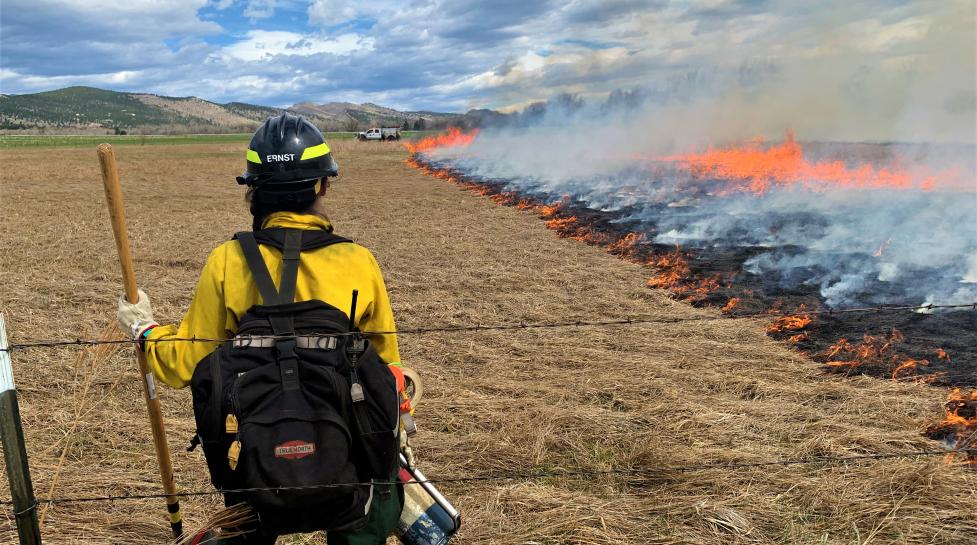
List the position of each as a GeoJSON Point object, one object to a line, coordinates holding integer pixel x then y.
{"type": "Point", "coordinates": [469, 328]}
{"type": "Point", "coordinates": [532, 475]}
{"type": "Point", "coordinates": [643, 472]}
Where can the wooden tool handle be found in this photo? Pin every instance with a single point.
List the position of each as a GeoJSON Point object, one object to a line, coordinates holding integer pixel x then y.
{"type": "Point", "coordinates": [113, 194]}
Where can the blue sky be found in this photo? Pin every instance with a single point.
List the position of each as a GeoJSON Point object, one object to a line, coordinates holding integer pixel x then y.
{"type": "Point", "coordinates": [456, 55]}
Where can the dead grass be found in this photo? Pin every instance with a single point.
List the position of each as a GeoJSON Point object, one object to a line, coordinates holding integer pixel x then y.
{"type": "Point", "coordinates": [641, 396]}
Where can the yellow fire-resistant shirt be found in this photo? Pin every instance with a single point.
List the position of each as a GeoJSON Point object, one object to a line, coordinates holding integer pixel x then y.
{"type": "Point", "coordinates": [226, 291]}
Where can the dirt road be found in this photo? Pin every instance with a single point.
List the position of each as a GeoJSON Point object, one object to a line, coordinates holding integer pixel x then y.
{"type": "Point", "coordinates": [497, 402]}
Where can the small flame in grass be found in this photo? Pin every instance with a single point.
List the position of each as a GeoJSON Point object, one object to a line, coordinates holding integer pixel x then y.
{"type": "Point", "coordinates": [882, 248]}
{"type": "Point", "coordinates": [909, 367]}
{"type": "Point", "coordinates": [757, 168]}
{"type": "Point", "coordinates": [550, 210]}
{"type": "Point", "coordinates": [672, 267]}
{"type": "Point", "coordinates": [941, 354]}
{"type": "Point", "coordinates": [879, 353]}
{"type": "Point", "coordinates": [561, 224]}
{"type": "Point", "coordinates": [793, 322]}
{"type": "Point", "coordinates": [794, 339]}
{"type": "Point", "coordinates": [453, 137]}
{"type": "Point", "coordinates": [508, 198]}
{"type": "Point", "coordinates": [958, 429]}
{"type": "Point", "coordinates": [730, 305]}
{"type": "Point", "coordinates": [627, 246]}
{"type": "Point", "coordinates": [672, 272]}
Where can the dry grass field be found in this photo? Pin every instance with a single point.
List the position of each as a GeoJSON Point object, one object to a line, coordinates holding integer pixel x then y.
{"type": "Point", "coordinates": [595, 398]}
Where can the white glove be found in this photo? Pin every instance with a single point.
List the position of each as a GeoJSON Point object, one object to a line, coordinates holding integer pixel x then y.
{"type": "Point", "coordinates": [136, 318]}
{"type": "Point", "coordinates": [405, 448]}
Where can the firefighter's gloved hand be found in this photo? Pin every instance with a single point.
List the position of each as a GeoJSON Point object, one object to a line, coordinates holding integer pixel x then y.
{"type": "Point", "coordinates": [405, 448]}
{"type": "Point", "coordinates": [405, 406]}
{"type": "Point", "coordinates": [136, 318]}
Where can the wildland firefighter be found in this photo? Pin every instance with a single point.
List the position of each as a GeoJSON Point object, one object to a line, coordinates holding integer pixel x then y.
{"type": "Point", "coordinates": [295, 399]}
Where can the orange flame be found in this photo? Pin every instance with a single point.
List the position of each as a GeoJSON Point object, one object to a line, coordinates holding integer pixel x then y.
{"type": "Point", "coordinates": [559, 224]}
{"type": "Point", "coordinates": [878, 352]}
{"type": "Point", "coordinates": [454, 137]}
{"type": "Point", "coordinates": [909, 367]}
{"type": "Point", "coordinates": [794, 339]}
{"type": "Point", "coordinates": [730, 305]}
{"type": "Point", "coordinates": [550, 210]}
{"type": "Point", "coordinates": [672, 268]}
{"type": "Point", "coordinates": [754, 168]}
{"type": "Point", "coordinates": [958, 429]}
{"type": "Point", "coordinates": [626, 246]}
{"type": "Point", "coordinates": [882, 248]}
{"type": "Point", "coordinates": [793, 322]}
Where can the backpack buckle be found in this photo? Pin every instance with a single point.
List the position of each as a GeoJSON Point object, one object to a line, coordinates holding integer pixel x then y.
{"type": "Point", "coordinates": [288, 364]}
{"type": "Point", "coordinates": [356, 345]}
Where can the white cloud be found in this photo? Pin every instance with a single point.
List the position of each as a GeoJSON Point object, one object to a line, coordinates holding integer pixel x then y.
{"type": "Point", "coordinates": [885, 59]}
{"type": "Point", "coordinates": [330, 12]}
{"type": "Point", "coordinates": [265, 44]}
{"type": "Point", "coordinates": [260, 9]}
{"type": "Point", "coordinates": [874, 36]}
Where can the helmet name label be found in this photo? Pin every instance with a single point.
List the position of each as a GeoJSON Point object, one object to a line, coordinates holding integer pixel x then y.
{"type": "Point", "coordinates": [279, 158]}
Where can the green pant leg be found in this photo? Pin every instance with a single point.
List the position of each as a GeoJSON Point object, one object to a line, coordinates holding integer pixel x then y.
{"type": "Point", "coordinates": [380, 523]}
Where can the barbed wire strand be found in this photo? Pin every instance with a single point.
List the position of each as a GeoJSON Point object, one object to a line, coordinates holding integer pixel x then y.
{"type": "Point", "coordinates": [51, 343]}
{"type": "Point", "coordinates": [525, 476]}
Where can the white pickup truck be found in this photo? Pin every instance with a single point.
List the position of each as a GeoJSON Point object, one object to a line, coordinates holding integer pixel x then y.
{"type": "Point", "coordinates": [384, 133]}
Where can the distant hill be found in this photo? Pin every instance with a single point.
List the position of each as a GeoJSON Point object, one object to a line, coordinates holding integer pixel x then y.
{"type": "Point", "coordinates": [348, 116]}
{"type": "Point", "coordinates": [91, 110]}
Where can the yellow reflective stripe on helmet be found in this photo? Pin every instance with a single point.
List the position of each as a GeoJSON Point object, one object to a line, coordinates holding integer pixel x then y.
{"type": "Point", "coordinates": [253, 157]}
{"type": "Point", "coordinates": [312, 152]}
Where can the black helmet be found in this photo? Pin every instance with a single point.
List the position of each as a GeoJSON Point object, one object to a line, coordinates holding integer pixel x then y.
{"type": "Point", "coordinates": [287, 154]}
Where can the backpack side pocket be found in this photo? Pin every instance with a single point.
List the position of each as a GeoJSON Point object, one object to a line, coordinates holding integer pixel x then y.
{"type": "Point", "coordinates": [376, 417]}
{"type": "Point", "coordinates": [206, 387]}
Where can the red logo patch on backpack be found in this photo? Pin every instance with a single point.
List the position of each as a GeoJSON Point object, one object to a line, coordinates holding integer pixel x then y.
{"type": "Point", "coordinates": [293, 450]}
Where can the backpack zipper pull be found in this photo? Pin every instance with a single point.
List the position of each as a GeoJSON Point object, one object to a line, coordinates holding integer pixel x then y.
{"type": "Point", "coordinates": [230, 424]}
{"type": "Point", "coordinates": [355, 388]}
{"type": "Point", "coordinates": [234, 453]}
{"type": "Point", "coordinates": [356, 392]}
{"type": "Point", "coordinates": [354, 348]}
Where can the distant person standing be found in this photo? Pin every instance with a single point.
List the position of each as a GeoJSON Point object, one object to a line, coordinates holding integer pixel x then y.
{"type": "Point", "coordinates": [295, 399]}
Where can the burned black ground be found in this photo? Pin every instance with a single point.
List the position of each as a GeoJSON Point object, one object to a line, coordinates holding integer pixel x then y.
{"type": "Point", "coordinates": [941, 342]}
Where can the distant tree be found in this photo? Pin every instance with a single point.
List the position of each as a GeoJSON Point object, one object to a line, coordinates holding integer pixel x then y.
{"type": "Point", "coordinates": [419, 125]}
{"type": "Point", "coordinates": [623, 100]}
{"type": "Point", "coordinates": [532, 113]}
{"type": "Point", "coordinates": [405, 126]}
{"type": "Point", "coordinates": [351, 125]}
{"type": "Point", "coordinates": [565, 103]}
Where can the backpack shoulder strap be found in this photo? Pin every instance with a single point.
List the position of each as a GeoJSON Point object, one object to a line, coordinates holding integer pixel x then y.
{"type": "Point", "coordinates": [291, 256]}
{"type": "Point", "coordinates": [311, 238]}
{"type": "Point", "coordinates": [259, 271]}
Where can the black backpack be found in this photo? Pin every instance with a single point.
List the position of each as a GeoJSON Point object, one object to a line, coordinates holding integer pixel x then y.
{"type": "Point", "coordinates": [313, 410]}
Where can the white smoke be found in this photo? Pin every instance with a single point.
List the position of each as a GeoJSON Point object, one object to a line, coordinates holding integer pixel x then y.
{"type": "Point", "coordinates": [858, 246]}
{"type": "Point", "coordinates": [842, 76]}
